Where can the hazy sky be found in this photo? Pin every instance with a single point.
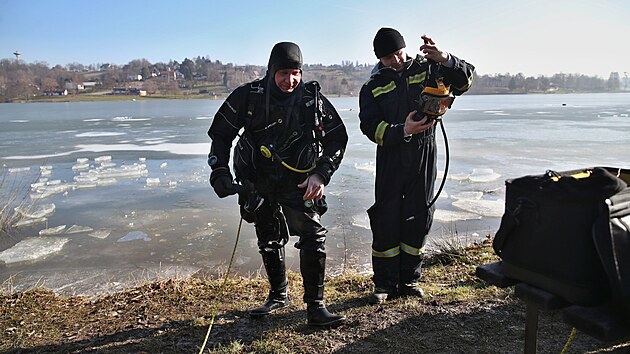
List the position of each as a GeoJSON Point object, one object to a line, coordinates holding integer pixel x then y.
{"type": "Point", "coordinates": [529, 36]}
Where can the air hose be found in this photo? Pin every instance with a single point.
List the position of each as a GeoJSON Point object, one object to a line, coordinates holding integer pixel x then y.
{"type": "Point", "coordinates": [445, 166]}
{"type": "Point", "coordinates": [269, 152]}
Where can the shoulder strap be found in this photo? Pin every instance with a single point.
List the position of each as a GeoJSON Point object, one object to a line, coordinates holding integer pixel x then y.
{"type": "Point", "coordinates": [256, 91]}
{"type": "Point", "coordinates": [315, 123]}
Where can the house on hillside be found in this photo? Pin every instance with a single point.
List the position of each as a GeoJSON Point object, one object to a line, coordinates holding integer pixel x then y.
{"type": "Point", "coordinates": [128, 91]}
{"type": "Point", "coordinates": [74, 86]}
{"type": "Point", "coordinates": [56, 92]}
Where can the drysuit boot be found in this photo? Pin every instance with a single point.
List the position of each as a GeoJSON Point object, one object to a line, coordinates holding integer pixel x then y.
{"type": "Point", "coordinates": [312, 267]}
{"type": "Point", "coordinates": [276, 272]}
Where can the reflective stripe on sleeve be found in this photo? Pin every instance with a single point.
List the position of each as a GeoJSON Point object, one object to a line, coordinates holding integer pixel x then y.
{"type": "Point", "coordinates": [380, 132]}
{"type": "Point", "coordinates": [416, 79]}
{"type": "Point", "coordinates": [468, 84]}
{"type": "Point", "coordinates": [377, 91]}
{"type": "Point", "coordinates": [392, 252]}
{"type": "Point", "coordinates": [411, 250]}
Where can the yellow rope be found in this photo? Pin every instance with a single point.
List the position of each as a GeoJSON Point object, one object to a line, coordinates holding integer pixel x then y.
{"type": "Point", "coordinates": [571, 337]}
{"type": "Point", "coordinates": [225, 278]}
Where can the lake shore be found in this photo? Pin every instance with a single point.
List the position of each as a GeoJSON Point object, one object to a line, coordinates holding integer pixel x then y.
{"type": "Point", "coordinates": [107, 96]}
{"type": "Point", "coordinates": [459, 313]}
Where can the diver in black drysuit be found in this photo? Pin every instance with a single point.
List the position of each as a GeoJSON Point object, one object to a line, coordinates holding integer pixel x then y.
{"type": "Point", "coordinates": [293, 141]}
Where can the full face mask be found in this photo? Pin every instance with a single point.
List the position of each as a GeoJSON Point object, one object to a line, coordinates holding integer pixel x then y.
{"type": "Point", "coordinates": [434, 101]}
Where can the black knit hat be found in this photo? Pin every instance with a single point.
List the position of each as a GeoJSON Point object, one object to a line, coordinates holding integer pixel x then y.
{"type": "Point", "coordinates": [387, 41]}
{"type": "Point", "coordinates": [284, 55]}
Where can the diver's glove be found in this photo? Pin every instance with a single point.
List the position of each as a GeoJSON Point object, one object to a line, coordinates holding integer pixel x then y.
{"type": "Point", "coordinates": [221, 181]}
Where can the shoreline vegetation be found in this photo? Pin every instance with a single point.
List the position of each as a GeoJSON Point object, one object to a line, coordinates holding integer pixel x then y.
{"type": "Point", "coordinates": [105, 97]}
{"type": "Point", "coordinates": [459, 313]}
{"type": "Point", "coordinates": [202, 77]}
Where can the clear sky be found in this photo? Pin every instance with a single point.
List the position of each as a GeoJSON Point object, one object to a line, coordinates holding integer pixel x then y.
{"type": "Point", "coordinates": [497, 36]}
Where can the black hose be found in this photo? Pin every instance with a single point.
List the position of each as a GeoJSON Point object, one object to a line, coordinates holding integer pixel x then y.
{"type": "Point", "coordinates": [445, 167]}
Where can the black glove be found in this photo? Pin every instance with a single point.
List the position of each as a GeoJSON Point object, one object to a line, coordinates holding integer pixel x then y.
{"type": "Point", "coordinates": [221, 181]}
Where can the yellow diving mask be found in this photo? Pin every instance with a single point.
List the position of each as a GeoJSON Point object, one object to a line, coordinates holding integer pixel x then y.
{"type": "Point", "coordinates": [434, 101]}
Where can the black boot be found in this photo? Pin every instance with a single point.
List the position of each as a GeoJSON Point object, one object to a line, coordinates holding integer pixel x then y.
{"type": "Point", "coordinates": [276, 272]}
{"type": "Point", "coordinates": [312, 267]}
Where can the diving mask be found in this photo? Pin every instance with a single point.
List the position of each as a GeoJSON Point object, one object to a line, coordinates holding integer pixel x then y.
{"type": "Point", "coordinates": [434, 101]}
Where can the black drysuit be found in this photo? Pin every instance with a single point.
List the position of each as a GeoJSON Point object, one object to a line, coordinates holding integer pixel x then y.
{"type": "Point", "coordinates": [284, 124]}
{"type": "Point", "coordinates": [405, 166]}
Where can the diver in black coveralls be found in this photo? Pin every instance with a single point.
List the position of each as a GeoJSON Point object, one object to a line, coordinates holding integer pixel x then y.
{"type": "Point", "coordinates": [401, 218]}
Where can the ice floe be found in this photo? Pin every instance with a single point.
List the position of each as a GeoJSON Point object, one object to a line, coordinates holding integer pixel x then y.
{"type": "Point", "coordinates": [100, 233]}
{"type": "Point", "coordinates": [32, 248]}
{"type": "Point", "coordinates": [52, 230]}
{"type": "Point", "coordinates": [474, 195]}
{"type": "Point", "coordinates": [27, 222]}
{"type": "Point", "coordinates": [361, 220]}
{"type": "Point", "coordinates": [153, 181]}
{"type": "Point", "coordinates": [488, 208]}
{"type": "Point", "coordinates": [483, 175]}
{"type": "Point", "coordinates": [19, 169]}
{"type": "Point", "coordinates": [133, 236]}
{"type": "Point", "coordinates": [441, 215]}
{"type": "Point", "coordinates": [97, 134]}
{"type": "Point", "coordinates": [478, 175]}
{"type": "Point", "coordinates": [36, 211]}
{"type": "Point", "coordinates": [75, 229]}
{"type": "Point", "coordinates": [368, 167]}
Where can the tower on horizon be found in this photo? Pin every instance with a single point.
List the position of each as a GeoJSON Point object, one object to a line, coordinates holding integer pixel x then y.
{"type": "Point", "coordinates": [17, 55]}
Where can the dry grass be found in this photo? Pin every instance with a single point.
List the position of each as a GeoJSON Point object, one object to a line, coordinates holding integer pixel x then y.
{"type": "Point", "coordinates": [459, 313]}
{"type": "Point", "coordinates": [13, 193]}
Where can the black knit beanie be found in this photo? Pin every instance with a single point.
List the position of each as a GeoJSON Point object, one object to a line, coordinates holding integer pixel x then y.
{"type": "Point", "coordinates": [387, 41]}
{"type": "Point", "coordinates": [284, 55]}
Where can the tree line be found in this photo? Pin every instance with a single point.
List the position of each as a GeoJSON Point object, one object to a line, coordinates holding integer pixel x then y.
{"type": "Point", "coordinates": [201, 75]}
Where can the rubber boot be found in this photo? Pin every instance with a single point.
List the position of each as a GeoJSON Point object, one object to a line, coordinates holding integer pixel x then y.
{"type": "Point", "coordinates": [276, 273]}
{"type": "Point", "coordinates": [312, 267]}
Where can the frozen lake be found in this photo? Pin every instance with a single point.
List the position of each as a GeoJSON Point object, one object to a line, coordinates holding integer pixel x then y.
{"type": "Point", "coordinates": [113, 193]}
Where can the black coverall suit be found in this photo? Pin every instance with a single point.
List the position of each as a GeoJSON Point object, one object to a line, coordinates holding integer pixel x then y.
{"type": "Point", "coordinates": [405, 167]}
{"type": "Point", "coordinates": [284, 124]}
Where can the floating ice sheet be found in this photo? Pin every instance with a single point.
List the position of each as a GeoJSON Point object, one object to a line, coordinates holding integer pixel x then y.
{"type": "Point", "coordinates": [452, 215]}
{"type": "Point", "coordinates": [361, 220]}
{"type": "Point", "coordinates": [32, 248]}
{"type": "Point", "coordinates": [75, 229]}
{"type": "Point", "coordinates": [52, 230]}
{"type": "Point", "coordinates": [102, 159]}
{"type": "Point", "coordinates": [153, 181]}
{"type": "Point", "coordinates": [100, 233]}
{"type": "Point", "coordinates": [368, 166]}
{"type": "Point", "coordinates": [467, 195]}
{"type": "Point", "coordinates": [26, 222]}
{"type": "Point", "coordinates": [19, 169]}
{"type": "Point", "coordinates": [489, 208]}
{"type": "Point", "coordinates": [36, 211]}
{"type": "Point", "coordinates": [483, 175]}
{"type": "Point", "coordinates": [135, 235]}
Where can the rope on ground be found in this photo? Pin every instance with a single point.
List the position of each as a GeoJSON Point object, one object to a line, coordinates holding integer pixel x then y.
{"type": "Point", "coordinates": [220, 295]}
{"type": "Point", "coordinates": [569, 341]}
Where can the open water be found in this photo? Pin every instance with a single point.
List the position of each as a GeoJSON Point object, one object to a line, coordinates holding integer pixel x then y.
{"type": "Point", "coordinates": [115, 193]}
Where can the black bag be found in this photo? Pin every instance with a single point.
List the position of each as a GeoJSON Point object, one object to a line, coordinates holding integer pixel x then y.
{"type": "Point", "coordinates": [611, 234]}
{"type": "Point", "coordinates": [545, 236]}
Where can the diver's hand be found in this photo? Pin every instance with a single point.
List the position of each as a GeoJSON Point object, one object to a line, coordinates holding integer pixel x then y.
{"type": "Point", "coordinates": [223, 186]}
{"type": "Point", "coordinates": [431, 51]}
{"type": "Point", "coordinates": [414, 127]}
{"type": "Point", "coordinates": [314, 185]}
